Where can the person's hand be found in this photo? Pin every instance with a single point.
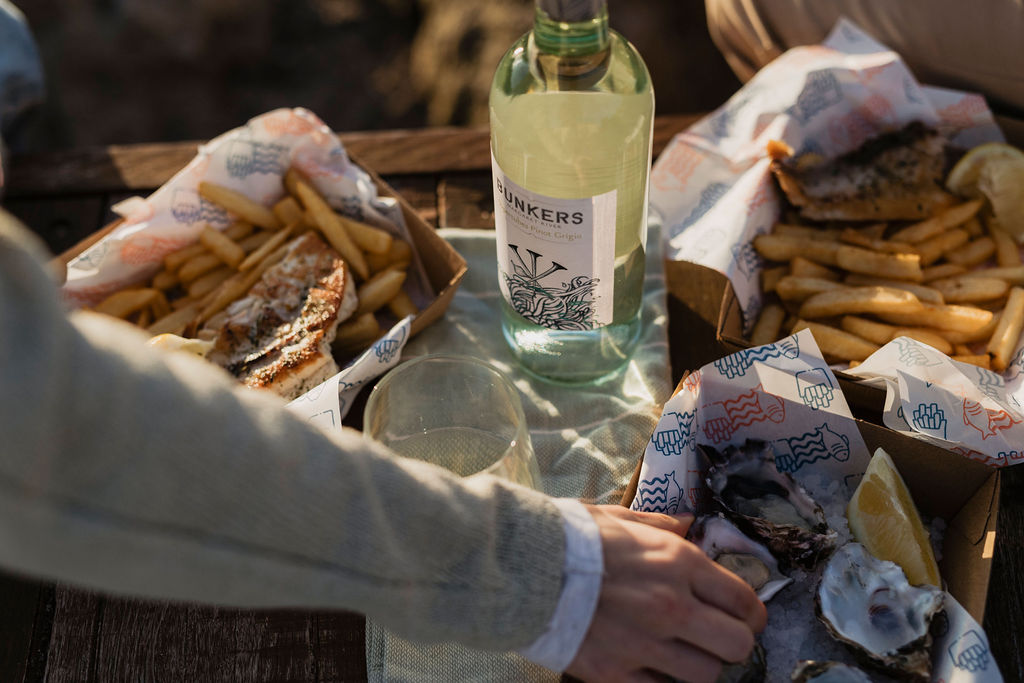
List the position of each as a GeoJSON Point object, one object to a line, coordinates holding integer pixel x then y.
{"type": "Point", "coordinates": [664, 608]}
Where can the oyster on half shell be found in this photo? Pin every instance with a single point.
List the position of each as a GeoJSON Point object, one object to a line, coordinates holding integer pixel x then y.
{"type": "Point", "coordinates": [728, 546]}
{"type": "Point", "coordinates": [768, 504]}
{"type": "Point", "coordinates": [868, 605]}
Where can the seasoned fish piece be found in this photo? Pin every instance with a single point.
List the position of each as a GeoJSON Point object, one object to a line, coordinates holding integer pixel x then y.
{"type": "Point", "coordinates": [896, 176]}
{"type": "Point", "coordinates": [279, 336]}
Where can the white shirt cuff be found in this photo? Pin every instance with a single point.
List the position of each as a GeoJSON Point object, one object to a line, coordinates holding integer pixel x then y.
{"type": "Point", "coordinates": [584, 566]}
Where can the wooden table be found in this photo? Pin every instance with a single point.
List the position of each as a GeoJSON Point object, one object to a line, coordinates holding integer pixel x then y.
{"type": "Point", "coordinates": [55, 633]}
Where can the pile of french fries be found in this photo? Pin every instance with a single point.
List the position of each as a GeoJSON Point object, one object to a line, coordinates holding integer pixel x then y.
{"type": "Point", "coordinates": [190, 294]}
{"type": "Point", "coordinates": [952, 281]}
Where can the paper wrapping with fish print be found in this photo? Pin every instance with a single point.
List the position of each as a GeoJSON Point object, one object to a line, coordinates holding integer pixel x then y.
{"type": "Point", "coordinates": [251, 159]}
{"type": "Point", "coordinates": [712, 186]}
{"type": "Point", "coordinates": [785, 394]}
{"type": "Point", "coordinates": [961, 407]}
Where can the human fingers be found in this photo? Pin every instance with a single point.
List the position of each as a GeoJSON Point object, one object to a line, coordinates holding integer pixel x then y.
{"type": "Point", "coordinates": [717, 586]}
{"type": "Point", "coordinates": [716, 633]}
{"type": "Point", "coordinates": [684, 662]}
{"type": "Point", "coordinates": [677, 524]}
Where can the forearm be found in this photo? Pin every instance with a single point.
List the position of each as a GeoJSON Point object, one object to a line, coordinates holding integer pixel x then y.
{"type": "Point", "coordinates": [202, 490]}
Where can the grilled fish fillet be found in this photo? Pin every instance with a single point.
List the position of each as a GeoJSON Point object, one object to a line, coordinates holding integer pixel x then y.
{"type": "Point", "coordinates": [279, 336]}
{"type": "Point", "coordinates": [896, 176]}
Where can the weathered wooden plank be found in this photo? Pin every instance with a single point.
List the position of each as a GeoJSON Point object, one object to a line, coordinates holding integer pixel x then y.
{"type": "Point", "coordinates": [274, 645]}
{"type": "Point", "coordinates": [72, 650]}
{"type": "Point", "coordinates": [1004, 619]}
{"type": "Point", "coordinates": [19, 599]}
{"type": "Point", "coordinates": [341, 647]}
{"type": "Point", "coordinates": [465, 200]}
{"type": "Point", "coordinates": [140, 167]}
{"type": "Point", "coordinates": [420, 191]}
{"type": "Point", "coordinates": [61, 222]}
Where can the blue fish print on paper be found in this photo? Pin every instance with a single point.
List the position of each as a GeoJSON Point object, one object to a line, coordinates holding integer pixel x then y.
{"type": "Point", "coordinates": [747, 260]}
{"type": "Point", "coordinates": [92, 257]}
{"type": "Point", "coordinates": [737, 364]}
{"type": "Point", "coordinates": [324, 419]}
{"type": "Point", "coordinates": [821, 444]}
{"type": "Point", "coordinates": [821, 91]}
{"type": "Point", "coordinates": [929, 417]}
{"type": "Point", "coordinates": [990, 383]}
{"type": "Point", "coordinates": [660, 494]}
{"type": "Point", "coordinates": [675, 433]}
{"type": "Point", "coordinates": [246, 157]}
{"type": "Point", "coordinates": [911, 355]}
{"type": "Point", "coordinates": [708, 196]}
{"type": "Point", "coordinates": [386, 349]}
{"type": "Point", "coordinates": [188, 207]}
{"type": "Point", "coordinates": [969, 652]}
{"type": "Point", "coordinates": [815, 387]}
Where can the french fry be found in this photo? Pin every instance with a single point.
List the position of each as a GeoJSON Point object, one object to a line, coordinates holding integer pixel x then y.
{"type": "Point", "coordinates": [292, 178]}
{"type": "Point", "coordinates": [144, 318]}
{"type": "Point", "coordinates": [766, 330]}
{"type": "Point", "coordinates": [176, 259]}
{"type": "Point", "coordinates": [930, 337]}
{"type": "Point", "coordinates": [805, 232]}
{"type": "Point", "coordinates": [238, 230]}
{"type": "Point", "coordinates": [288, 211]}
{"type": "Point", "coordinates": [792, 288]}
{"type": "Point", "coordinates": [930, 227]}
{"type": "Point", "coordinates": [399, 254]}
{"type": "Point", "coordinates": [1012, 274]}
{"type": "Point", "coordinates": [198, 265]}
{"type": "Point", "coordinates": [1007, 333]}
{"type": "Point", "coordinates": [932, 250]}
{"type": "Point", "coordinates": [160, 307]}
{"type": "Point", "coordinates": [770, 277]}
{"type": "Point", "coordinates": [981, 360]}
{"type": "Point", "coordinates": [893, 266]}
{"type": "Point", "coordinates": [874, 332]}
{"type": "Point", "coordinates": [786, 248]}
{"type": "Point", "coordinates": [874, 231]}
{"type": "Point", "coordinates": [983, 333]}
{"type": "Point", "coordinates": [370, 239]}
{"type": "Point", "coordinates": [973, 253]}
{"type": "Point", "coordinates": [940, 271]}
{"type": "Point", "coordinates": [801, 267]}
{"type": "Point", "coordinates": [164, 280]}
{"type": "Point", "coordinates": [860, 300]}
{"type": "Point", "coordinates": [973, 227]}
{"type": "Point", "coordinates": [1007, 250]}
{"type": "Point", "coordinates": [357, 332]}
{"type": "Point", "coordinates": [333, 229]}
{"type": "Point", "coordinates": [236, 285]}
{"type": "Point", "coordinates": [202, 286]}
{"type": "Point", "coordinates": [240, 205]}
{"type": "Point", "coordinates": [401, 305]}
{"type": "Point", "coordinates": [379, 290]}
{"type": "Point", "coordinates": [836, 344]}
{"type": "Point", "coordinates": [127, 301]}
{"type": "Point", "coordinates": [962, 289]}
{"type": "Point", "coordinates": [858, 238]}
{"type": "Point", "coordinates": [922, 292]}
{"type": "Point", "coordinates": [176, 321]}
{"type": "Point", "coordinates": [942, 317]}
{"type": "Point", "coordinates": [276, 240]}
{"type": "Point", "coordinates": [257, 240]}
{"type": "Point", "coordinates": [181, 302]}
{"type": "Point", "coordinates": [222, 246]}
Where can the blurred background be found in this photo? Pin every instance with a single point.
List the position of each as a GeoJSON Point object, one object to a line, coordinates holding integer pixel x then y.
{"type": "Point", "coordinates": [124, 71]}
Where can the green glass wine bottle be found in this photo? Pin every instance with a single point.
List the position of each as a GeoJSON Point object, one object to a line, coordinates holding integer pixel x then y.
{"type": "Point", "coordinates": [571, 111]}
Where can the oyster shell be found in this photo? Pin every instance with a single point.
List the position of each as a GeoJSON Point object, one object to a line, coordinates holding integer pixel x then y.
{"type": "Point", "coordinates": [867, 604]}
{"type": "Point", "coordinates": [828, 672]}
{"type": "Point", "coordinates": [751, 670]}
{"type": "Point", "coordinates": [724, 543]}
{"type": "Point", "coordinates": [769, 505]}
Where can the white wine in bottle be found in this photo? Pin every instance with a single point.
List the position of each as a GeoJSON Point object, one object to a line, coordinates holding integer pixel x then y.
{"type": "Point", "coordinates": [571, 110]}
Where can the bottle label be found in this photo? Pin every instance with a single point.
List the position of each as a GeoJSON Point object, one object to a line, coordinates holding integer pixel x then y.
{"type": "Point", "coordinates": [556, 257]}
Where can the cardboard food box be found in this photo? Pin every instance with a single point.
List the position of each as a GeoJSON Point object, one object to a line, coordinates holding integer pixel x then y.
{"type": "Point", "coordinates": [784, 394]}
{"type": "Point", "coordinates": [252, 160]}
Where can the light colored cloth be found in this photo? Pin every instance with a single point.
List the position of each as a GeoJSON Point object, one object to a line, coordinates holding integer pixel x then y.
{"type": "Point", "coordinates": [132, 471]}
{"type": "Point", "coordinates": [588, 440]}
{"type": "Point", "coordinates": [976, 47]}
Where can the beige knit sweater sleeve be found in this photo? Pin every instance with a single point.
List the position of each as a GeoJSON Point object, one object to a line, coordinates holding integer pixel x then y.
{"type": "Point", "coordinates": [133, 471]}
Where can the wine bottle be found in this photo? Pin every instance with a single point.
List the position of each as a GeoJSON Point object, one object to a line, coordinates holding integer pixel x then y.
{"type": "Point", "coordinates": [571, 112]}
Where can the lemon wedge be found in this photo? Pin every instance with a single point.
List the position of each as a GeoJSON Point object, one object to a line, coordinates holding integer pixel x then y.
{"type": "Point", "coordinates": [994, 170]}
{"type": "Point", "coordinates": [883, 518]}
{"type": "Point", "coordinates": [172, 342]}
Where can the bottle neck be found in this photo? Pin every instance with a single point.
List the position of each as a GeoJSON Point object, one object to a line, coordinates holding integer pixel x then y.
{"type": "Point", "coordinates": [571, 28]}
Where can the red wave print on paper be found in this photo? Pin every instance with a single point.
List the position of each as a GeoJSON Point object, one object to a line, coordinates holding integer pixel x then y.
{"type": "Point", "coordinates": [90, 296]}
{"type": "Point", "coordinates": [765, 191]}
{"type": "Point", "coordinates": [676, 166]}
{"type": "Point", "coordinates": [965, 113]}
{"type": "Point", "coordinates": [143, 250]}
{"type": "Point", "coordinates": [723, 418]}
{"type": "Point", "coordinates": [988, 422]}
{"type": "Point", "coordinates": [693, 381]}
